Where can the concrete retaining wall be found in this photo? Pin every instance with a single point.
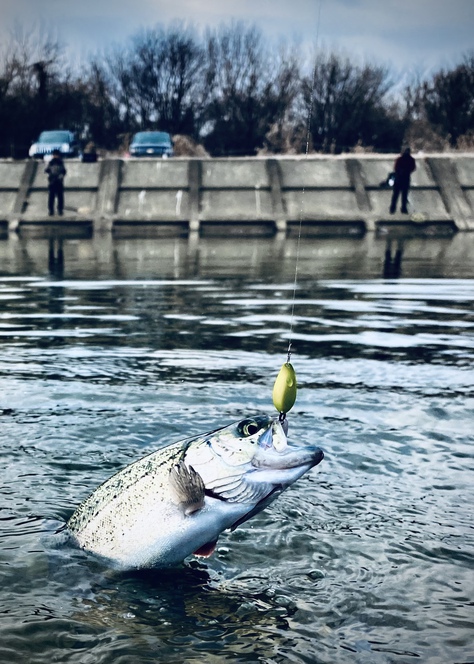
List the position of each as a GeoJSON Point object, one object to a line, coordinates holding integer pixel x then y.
{"type": "Point", "coordinates": [327, 195]}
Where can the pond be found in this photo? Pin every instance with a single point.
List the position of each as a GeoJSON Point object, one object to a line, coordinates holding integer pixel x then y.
{"type": "Point", "coordinates": [110, 349]}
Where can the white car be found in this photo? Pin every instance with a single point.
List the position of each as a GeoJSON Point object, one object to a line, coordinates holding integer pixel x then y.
{"type": "Point", "coordinates": [59, 139]}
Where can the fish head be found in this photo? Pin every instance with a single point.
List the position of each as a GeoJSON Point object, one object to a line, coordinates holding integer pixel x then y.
{"type": "Point", "coordinates": [250, 462]}
{"type": "Point", "coordinates": [239, 443]}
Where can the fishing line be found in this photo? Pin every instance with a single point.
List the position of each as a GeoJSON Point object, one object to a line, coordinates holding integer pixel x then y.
{"type": "Point", "coordinates": [285, 387]}
{"type": "Point", "coordinates": [308, 136]}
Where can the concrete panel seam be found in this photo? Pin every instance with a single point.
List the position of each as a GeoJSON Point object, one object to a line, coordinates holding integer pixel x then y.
{"type": "Point", "coordinates": [278, 206]}
{"type": "Point", "coordinates": [453, 197]}
{"type": "Point", "coordinates": [194, 193]}
{"type": "Point", "coordinates": [358, 184]}
{"type": "Point", "coordinates": [26, 181]}
{"type": "Point", "coordinates": [108, 192]}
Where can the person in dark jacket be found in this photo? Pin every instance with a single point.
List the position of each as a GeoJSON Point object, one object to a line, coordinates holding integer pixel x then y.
{"type": "Point", "coordinates": [56, 172]}
{"type": "Point", "coordinates": [404, 167]}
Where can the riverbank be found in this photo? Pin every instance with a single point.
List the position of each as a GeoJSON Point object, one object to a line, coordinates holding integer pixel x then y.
{"type": "Point", "coordinates": [317, 195]}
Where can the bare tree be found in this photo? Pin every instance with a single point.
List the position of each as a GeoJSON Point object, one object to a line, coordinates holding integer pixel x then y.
{"type": "Point", "coordinates": [448, 100]}
{"type": "Point", "coordinates": [248, 89]}
{"type": "Point", "coordinates": [101, 117]}
{"type": "Point", "coordinates": [347, 102]}
{"type": "Point", "coordinates": [30, 69]}
{"type": "Point", "coordinates": [155, 81]}
{"type": "Point", "coordinates": [286, 133]}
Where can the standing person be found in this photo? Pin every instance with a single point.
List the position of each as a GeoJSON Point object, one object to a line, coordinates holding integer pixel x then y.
{"type": "Point", "coordinates": [404, 167]}
{"type": "Point", "coordinates": [56, 172]}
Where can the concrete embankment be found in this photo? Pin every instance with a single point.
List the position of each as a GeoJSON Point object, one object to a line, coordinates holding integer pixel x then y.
{"type": "Point", "coordinates": [324, 195]}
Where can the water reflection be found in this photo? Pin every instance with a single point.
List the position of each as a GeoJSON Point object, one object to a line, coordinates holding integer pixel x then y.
{"type": "Point", "coordinates": [392, 267]}
{"type": "Point", "coordinates": [180, 258]}
{"type": "Point", "coordinates": [139, 343]}
{"type": "Point", "coordinates": [56, 257]}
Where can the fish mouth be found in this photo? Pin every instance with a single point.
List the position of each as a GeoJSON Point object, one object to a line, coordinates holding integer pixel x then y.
{"type": "Point", "coordinates": [273, 450]}
{"type": "Point", "coordinates": [275, 472]}
{"type": "Point", "coordinates": [274, 453]}
{"type": "Point", "coordinates": [290, 458]}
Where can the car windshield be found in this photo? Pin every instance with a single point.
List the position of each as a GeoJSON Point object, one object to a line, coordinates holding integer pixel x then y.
{"type": "Point", "coordinates": [151, 137]}
{"type": "Point", "coordinates": [54, 137]}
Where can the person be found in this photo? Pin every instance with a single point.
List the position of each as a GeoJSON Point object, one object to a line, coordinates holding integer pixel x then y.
{"type": "Point", "coordinates": [404, 167]}
{"type": "Point", "coordinates": [56, 172]}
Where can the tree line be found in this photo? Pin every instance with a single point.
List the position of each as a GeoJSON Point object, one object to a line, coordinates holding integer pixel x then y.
{"type": "Point", "coordinates": [231, 91]}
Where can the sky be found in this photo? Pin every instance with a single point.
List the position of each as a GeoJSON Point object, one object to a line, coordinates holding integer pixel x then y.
{"type": "Point", "coordinates": [415, 36]}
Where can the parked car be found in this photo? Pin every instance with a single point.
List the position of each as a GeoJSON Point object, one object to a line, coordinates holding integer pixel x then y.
{"type": "Point", "coordinates": [58, 139]}
{"type": "Point", "coordinates": [151, 144]}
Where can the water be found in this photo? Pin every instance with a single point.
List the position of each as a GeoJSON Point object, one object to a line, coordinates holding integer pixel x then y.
{"type": "Point", "coordinates": [367, 559]}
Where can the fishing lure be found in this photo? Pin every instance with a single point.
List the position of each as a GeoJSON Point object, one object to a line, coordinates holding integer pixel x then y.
{"type": "Point", "coordinates": [284, 389]}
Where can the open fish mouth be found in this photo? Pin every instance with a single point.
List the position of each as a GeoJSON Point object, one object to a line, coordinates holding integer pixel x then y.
{"type": "Point", "coordinates": [292, 457]}
{"type": "Point", "coordinates": [273, 450]}
{"type": "Point", "coordinates": [254, 467]}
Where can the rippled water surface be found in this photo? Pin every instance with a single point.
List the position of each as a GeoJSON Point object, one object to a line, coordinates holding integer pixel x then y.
{"type": "Point", "coordinates": [133, 344]}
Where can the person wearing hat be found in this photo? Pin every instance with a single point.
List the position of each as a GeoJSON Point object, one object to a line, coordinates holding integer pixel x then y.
{"type": "Point", "coordinates": [56, 172]}
{"type": "Point", "coordinates": [404, 167]}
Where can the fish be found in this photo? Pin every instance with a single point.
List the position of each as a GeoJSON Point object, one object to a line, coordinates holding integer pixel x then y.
{"type": "Point", "coordinates": [176, 501]}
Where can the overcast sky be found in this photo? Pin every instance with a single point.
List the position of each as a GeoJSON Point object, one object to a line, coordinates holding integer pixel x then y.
{"type": "Point", "coordinates": [410, 35]}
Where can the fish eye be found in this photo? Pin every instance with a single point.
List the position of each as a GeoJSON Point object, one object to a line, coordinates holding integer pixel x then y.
{"type": "Point", "coordinates": [248, 427]}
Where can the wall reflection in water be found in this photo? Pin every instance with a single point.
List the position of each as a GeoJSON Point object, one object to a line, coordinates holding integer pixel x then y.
{"type": "Point", "coordinates": [351, 258]}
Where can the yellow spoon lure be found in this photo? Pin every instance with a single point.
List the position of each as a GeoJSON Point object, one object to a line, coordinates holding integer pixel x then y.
{"type": "Point", "coordinates": [284, 390]}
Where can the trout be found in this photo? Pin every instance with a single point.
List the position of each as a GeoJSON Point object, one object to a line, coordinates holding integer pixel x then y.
{"type": "Point", "coordinates": [176, 501]}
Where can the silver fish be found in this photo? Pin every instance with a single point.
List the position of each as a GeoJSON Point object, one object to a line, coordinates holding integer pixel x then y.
{"type": "Point", "coordinates": [177, 501]}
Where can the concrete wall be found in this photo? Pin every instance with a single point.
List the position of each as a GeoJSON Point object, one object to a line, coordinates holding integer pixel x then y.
{"type": "Point", "coordinates": [316, 195]}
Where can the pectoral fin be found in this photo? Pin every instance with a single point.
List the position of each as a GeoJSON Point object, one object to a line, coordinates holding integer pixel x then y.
{"type": "Point", "coordinates": [187, 488]}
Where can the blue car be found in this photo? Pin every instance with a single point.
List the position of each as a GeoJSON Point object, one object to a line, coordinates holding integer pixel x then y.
{"type": "Point", "coordinates": [151, 144]}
